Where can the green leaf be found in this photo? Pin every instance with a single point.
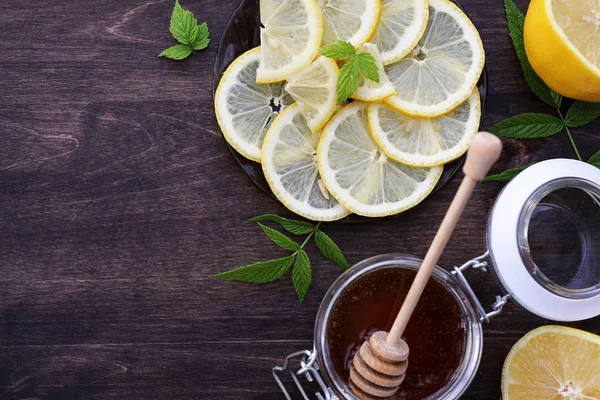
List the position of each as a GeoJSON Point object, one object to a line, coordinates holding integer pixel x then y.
{"type": "Point", "coordinates": [291, 225]}
{"type": "Point", "coordinates": [516, 21]}
{"type": "Point", "coordinates": [582, 113]}
{"type": "Point", "coordinates": [528, 126]}
{"type": "Point", "coordinates": [506, 175]}
{"type": "Point", "coordinates": [330, 250]}
{"type": "Point", "coordinates": [178, 52]}
{"type": "Point", "coordinates": [280, 239]}
{"type": "Point", "coordinates": [340, 51]}
{"type": "Point", "coordinates": [202, 37]}
{"type": "Point", "coordinates": [347, 81]}
{"type": "Point", "coordinates": [302, 275]}
{"type": "Point", "coordinates": [367, 66]}
{"type": "Point", "coordinates": [184, 26]}
{"type": "Point", "coordinates": [260, 272]}
{"type": "Point", "coordinates": [595, 159]}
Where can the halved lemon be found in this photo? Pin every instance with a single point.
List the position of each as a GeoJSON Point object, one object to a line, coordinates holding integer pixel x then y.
{"type": "Point", "coordinates": [442, 71]}
{"type": "Point", "coordinates": [553, 363]}
{"type": "Point", "coordinates": [568, 31]}
{"type": "Point", "coordinates": [369, 90]}
{"type": "Point", "coordinates": [289, 39]}
{"type": "Point", "coordinates": [424, 142]}
{"type": "Point", "coordinates": [314, 91]}
{"type": "Point", "coordinates": [401, 25]}
{"type": "Point", "coordinates": [245, 109]}
{"type": "Point", "coordinates": [360, 176]}
{"type": "Point", "coordinates": [353, 21]}
{"type": "Point", "coordinates": [289, 163]}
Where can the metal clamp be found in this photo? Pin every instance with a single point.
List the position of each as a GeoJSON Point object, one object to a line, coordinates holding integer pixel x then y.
{"type": "Point", "coordinates": [303, 364]}
{"type": "Point", "coordinates": [480, 263]}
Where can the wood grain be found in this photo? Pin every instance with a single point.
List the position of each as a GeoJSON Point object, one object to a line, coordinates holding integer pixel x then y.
{"type": "Point", "coordinates": [118, 200]}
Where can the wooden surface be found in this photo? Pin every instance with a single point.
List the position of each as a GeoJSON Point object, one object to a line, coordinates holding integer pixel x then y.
{"type": "Point", "coordinates": [118, 200]}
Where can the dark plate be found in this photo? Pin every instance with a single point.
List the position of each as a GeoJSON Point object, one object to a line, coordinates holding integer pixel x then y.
{"type": "Point", "coordinates": [241, 34]}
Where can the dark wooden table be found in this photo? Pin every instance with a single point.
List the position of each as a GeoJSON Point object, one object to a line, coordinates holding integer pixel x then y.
{"type": "Point", "coordinates": [119, 200]}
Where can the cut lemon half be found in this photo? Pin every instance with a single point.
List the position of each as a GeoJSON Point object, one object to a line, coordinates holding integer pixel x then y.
{"type": "Point", "coordinates": [424, 142]}
{"type": "Point", "coordinates": [369, 90]}
{"type": "Point", "coordinates": [360, 176]}
{"type": "Point", "coordinates": [442, 71]}
{"type": "Point", "coordinates": [401, 25]}
{"type": "Point", "coordinates": [569, 31]}
{"type": "Point", "coordinates": [314, 91]}
{"type": "Point", "coordinates": [553, 363]}
{"type": "Point", "coordinates": [289, 163]}
{"type": "Point", "coordinates": [289, 39]}
{"type": "Point", "coordinates": [245, 109]}
{"type": "Point", "coordinates": [353, 21]}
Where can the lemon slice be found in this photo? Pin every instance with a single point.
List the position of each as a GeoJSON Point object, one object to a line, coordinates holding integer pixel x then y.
{"type": "Point", "coordinates": [401, 26]}
{"type": "Point", "coordinates": [423, 142]}
{"type": "Point", "coordinates": [244, 108]}
{"type": "Point", "coordinates": [441, 72]}
{"type": "Point", "coordinates": [553, 362]}
{"type": "Point", "coordinates": [290, 165]}
{"type": "Point", "coordinates": [569, 31]}
{"type": "Point", "coordinates": [289, 39]}
{"type": "Point", "coordinates": [353, 21]}
{"type": "Point", "coordinates": [314, 91]}
{"type": "Point", "coordinates": [360, 176]}
{"type": "Point", "coordinates": [373, 91]}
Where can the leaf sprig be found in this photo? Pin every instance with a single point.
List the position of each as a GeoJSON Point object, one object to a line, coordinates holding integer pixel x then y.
{"type": "Point", "coordinates": [536, 125]}
{"type": "Point", "coordinates": [357, 64]}
{"type": "Point", "coordinates": [185, 29]}
{"type": "Point", "coordinates": [272, 270]}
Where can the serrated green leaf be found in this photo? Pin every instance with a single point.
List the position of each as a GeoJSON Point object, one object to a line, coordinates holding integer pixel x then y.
{"type": "Point", "coordinates": [516, 21]}
{"type": "Point", "coordinates": [347, 81]}
{"type": "Point", "coordinates": [302, 275]}
{"type": "Point", "coordinates": [330, 250]}
{"type": "Point", "coordinates": [279, 238]}
{"type": "Point", "coordinates": [595, 159]}
{"type": "Point", "coordinates": [184, 26]}
{"type": "Point", "coordinates": [291, 225]}
{"type": "Point", "coordinates": [178, 52]}
{"type": "Point", "coordinates": [202, 37]}
{"type": "Point", "coordinates": [557, 98]}
{"type": "Point", "coordinates": [260, 272]}
{"type": "Point", "coordinates": [528, 126]}
{"type": "Point", "coordinates": [582, 113]}
{"type": "Point", "coordinates": [367, 66]}
{"type": "Point", "coordinates": [506, 175]}
{"type": "Point", "coordinates": [340, 51]}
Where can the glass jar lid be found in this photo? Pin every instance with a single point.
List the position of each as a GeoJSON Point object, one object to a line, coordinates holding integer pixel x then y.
{"type": "Point", "coordinates": [544, 239]}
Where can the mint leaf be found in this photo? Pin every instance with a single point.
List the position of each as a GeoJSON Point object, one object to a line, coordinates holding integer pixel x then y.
{"type": "Point", "coordinates": [260, 272]}
{"type": "Point", "coordinates": [340, 51]}
{"type": "Point", "coordinates": [595, 160]}
{"type": "Point", "coordinates": [178, 52]}
{"type": "Point", "coordinates": [347, 81]}
{"type": "Point", "coordinates": [516, 21]}
{"type": "Point", "coordinates": [506, 175]}
{"type": "Point", "coordinates": [184, 27]}
{"type": "Point", "coordinates": [367, 66]}
{"type": "Point", "coordinates": [280, 239]}
{"type": "Point", "coordinates": [202, 37]}
{"type": "Point", "coordinates": [528, 126]}
{"type": "Point", "coordinates": [291, 225]}
{"type": "Point", "coordinates": [302, 275]}
{"type": "Point", "coordinates": [330, 250]}
{"type": "Point", "coordinates": [582, 113]}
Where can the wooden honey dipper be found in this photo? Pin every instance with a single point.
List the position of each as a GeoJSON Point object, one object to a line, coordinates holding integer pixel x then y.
{"type": "Point", "coordinates": [379, 367]}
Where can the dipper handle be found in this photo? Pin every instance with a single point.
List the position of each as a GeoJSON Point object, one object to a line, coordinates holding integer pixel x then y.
{"type": "Point", "coordinates": [483, 153]}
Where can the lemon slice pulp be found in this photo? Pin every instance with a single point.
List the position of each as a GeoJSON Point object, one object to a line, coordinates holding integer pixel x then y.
{"type": "Point", "coordinates": [245, 109]}
{"type": "Point", "coordinates": [360, 176]}
{"type": "Point", "coordinates": [353, 21]}
{"type": "Point", "coordinates": [369, 90]}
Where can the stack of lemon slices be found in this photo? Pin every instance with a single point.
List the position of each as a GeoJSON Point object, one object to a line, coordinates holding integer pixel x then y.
{"type": "Point", "coordinates": [384, 151]}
